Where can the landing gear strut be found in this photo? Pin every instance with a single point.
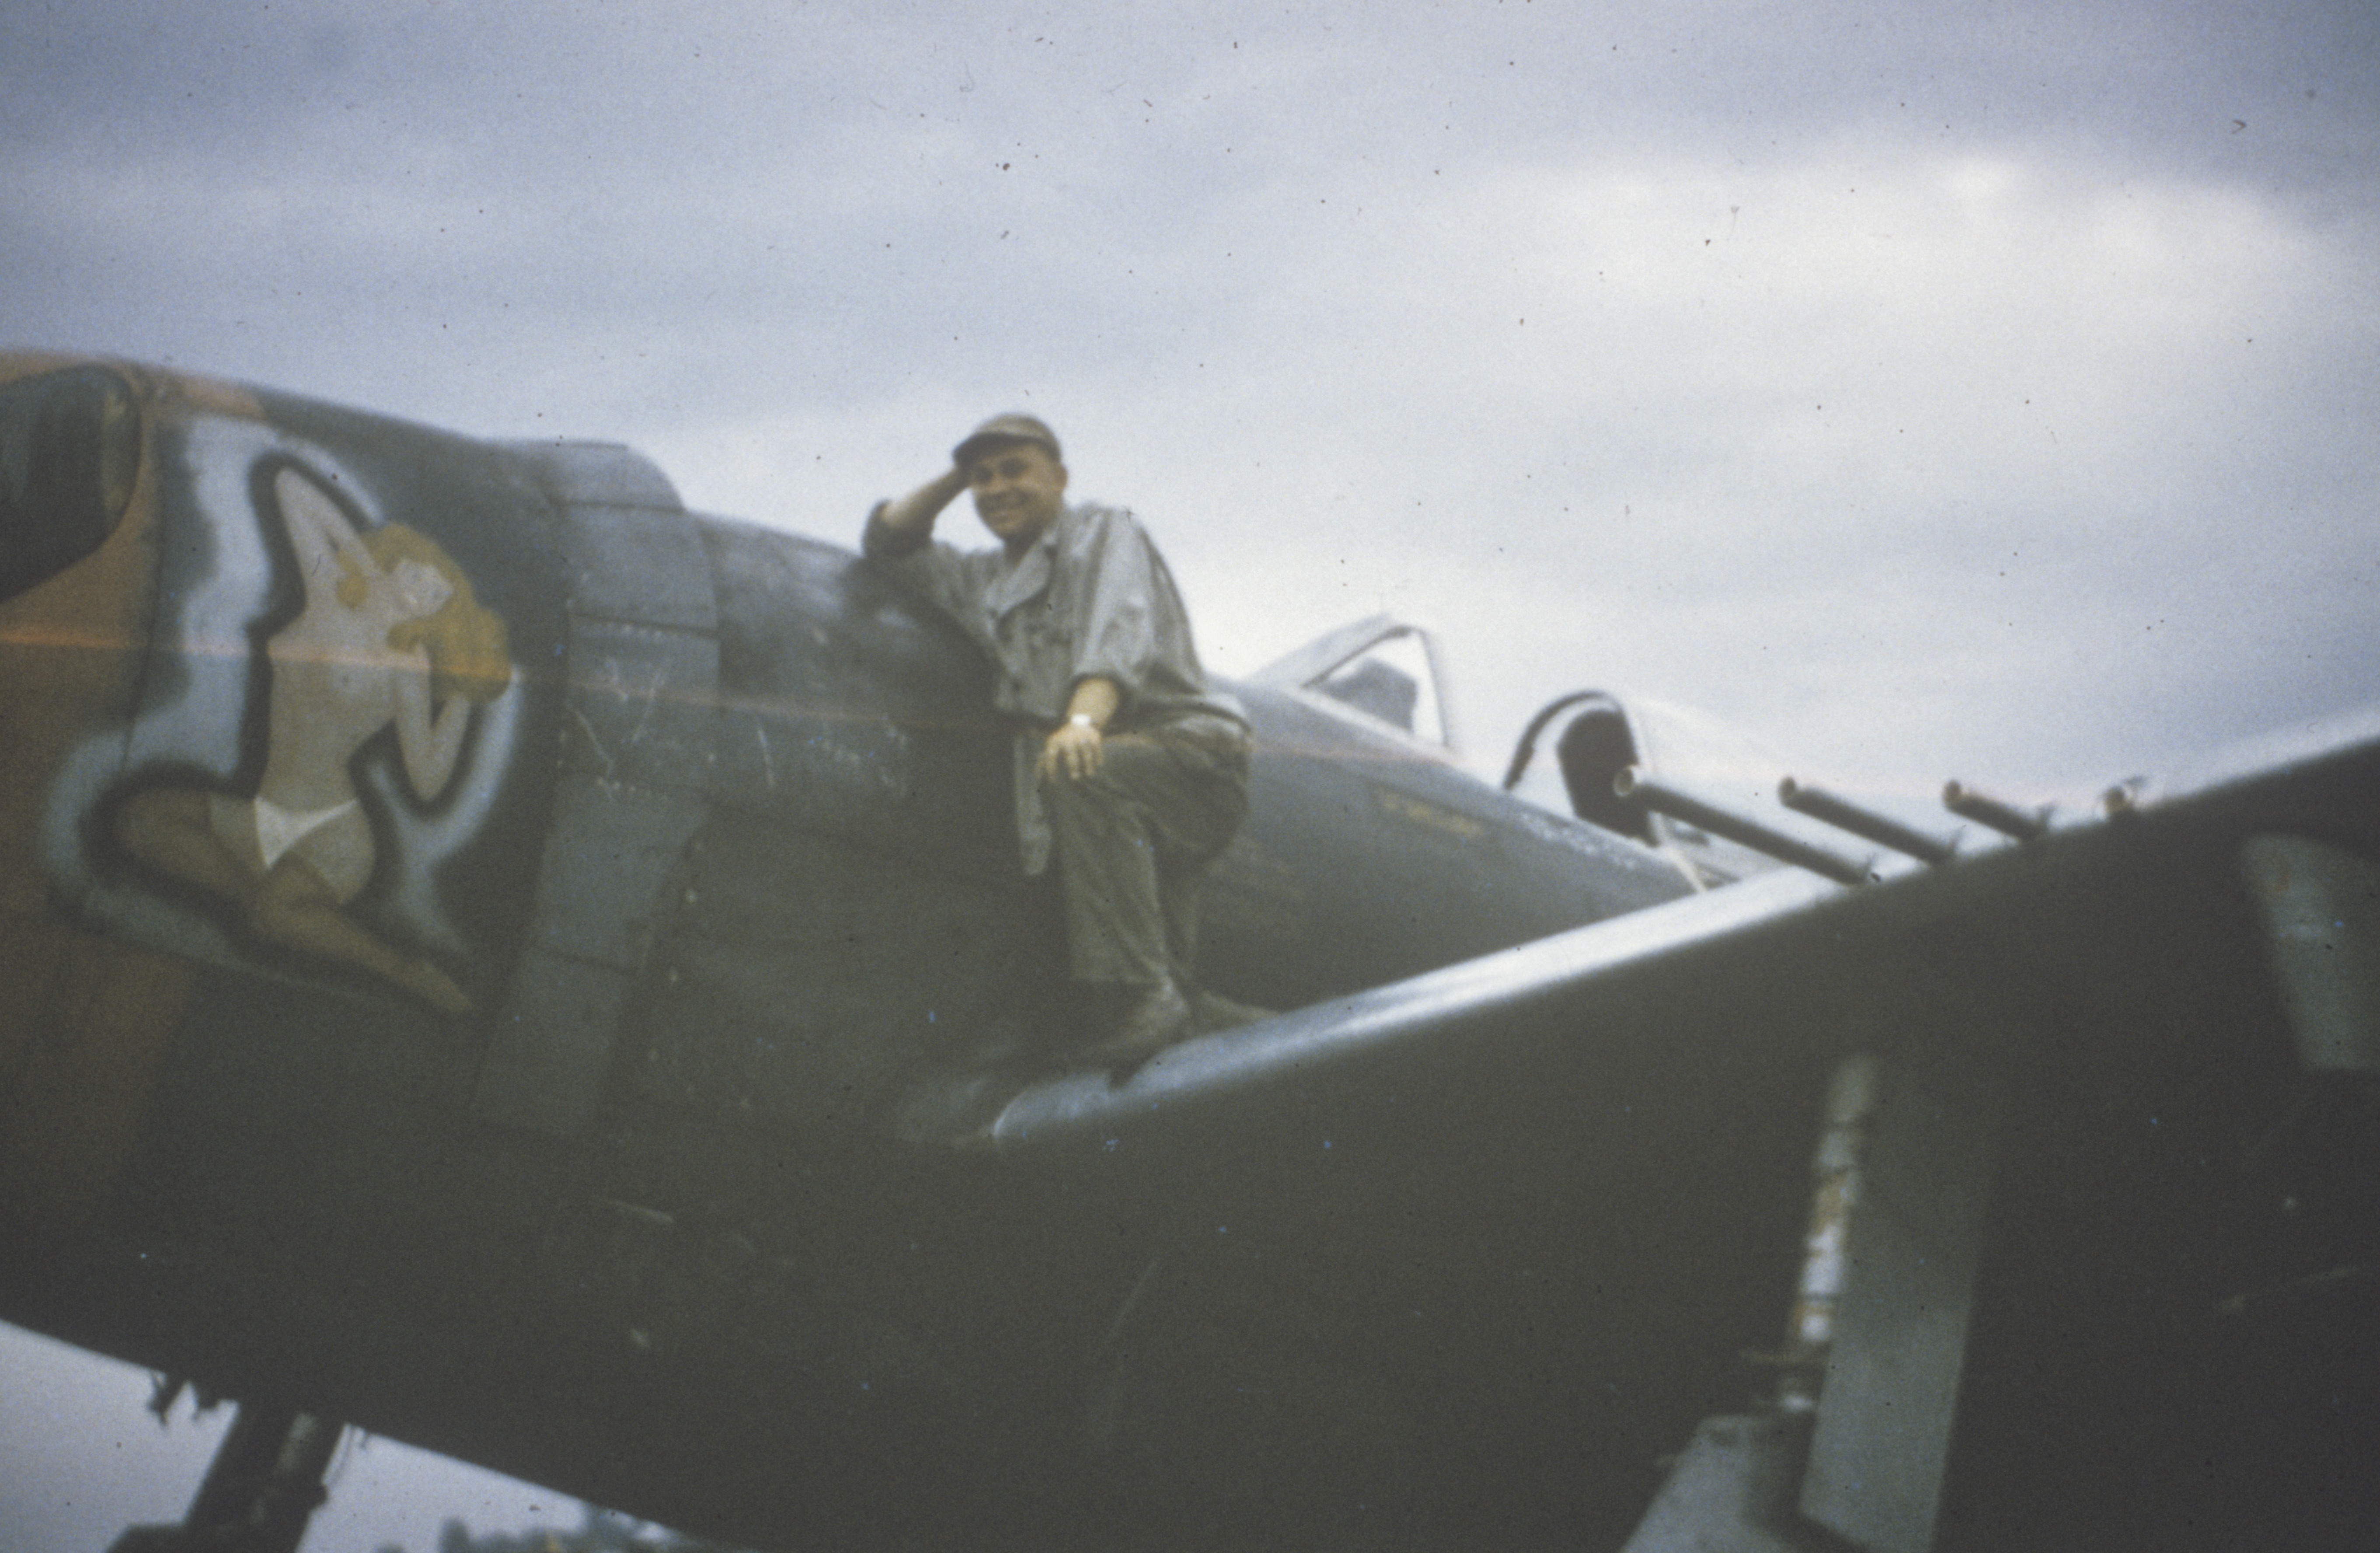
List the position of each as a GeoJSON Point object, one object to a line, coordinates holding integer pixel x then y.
{"type": "Point", "coordinates": [1735, 1487]}
{"type": "Point", "coordinates": [265, 1484]}
{"type": "Point", "coordinates": [1852, 1451]}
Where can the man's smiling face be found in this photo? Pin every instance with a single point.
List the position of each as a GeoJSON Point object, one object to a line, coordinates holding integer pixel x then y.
{"type": "Point", "coordinates": [1019, 490]}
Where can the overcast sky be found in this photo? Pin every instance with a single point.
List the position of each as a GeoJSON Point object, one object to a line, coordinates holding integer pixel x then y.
{"type": "Point", "coordinates": [1982, 391]}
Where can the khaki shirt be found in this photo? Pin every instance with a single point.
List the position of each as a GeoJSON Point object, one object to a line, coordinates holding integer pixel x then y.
{"type": "Point", "coordinates": [1091, 597]}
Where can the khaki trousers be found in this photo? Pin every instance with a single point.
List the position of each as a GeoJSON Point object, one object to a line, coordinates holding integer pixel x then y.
{"type": "Point", "coordinates": [1133, 843]}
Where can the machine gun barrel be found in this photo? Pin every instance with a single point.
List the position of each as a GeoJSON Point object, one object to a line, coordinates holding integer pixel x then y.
{"type": "Point", "coordinates": [2025, 825]}
{"type": "Point", "coordinates": [1638, 785]}
{"type": "Point", "coordinates": [1866, 823]}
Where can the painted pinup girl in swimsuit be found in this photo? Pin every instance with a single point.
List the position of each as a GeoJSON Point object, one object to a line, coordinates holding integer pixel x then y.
{"type": "Point", "coordinates": [389, 634]}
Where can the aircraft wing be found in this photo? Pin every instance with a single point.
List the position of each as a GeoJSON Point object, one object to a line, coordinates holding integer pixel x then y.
{"type": "Point", "coordinates": [1920, 951]}
{"type": "Point", "coordinates": [2118, 1226]}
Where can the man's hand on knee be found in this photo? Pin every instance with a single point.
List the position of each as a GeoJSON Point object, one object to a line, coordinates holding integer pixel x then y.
{"type": "Point", "coordinates": [1077, 749]}
{"type": "Point", "coordinates": [1073, 751]}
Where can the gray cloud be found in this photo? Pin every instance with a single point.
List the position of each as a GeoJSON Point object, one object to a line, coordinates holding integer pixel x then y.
{"type": "Point", "coordinates": [1920, 389]}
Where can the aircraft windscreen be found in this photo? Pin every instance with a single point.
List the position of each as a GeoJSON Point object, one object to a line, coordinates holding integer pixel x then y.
{"type": "Point", "coordinates": [70, 450]}
{"type": "Point", "coordinates": [1395, 682]}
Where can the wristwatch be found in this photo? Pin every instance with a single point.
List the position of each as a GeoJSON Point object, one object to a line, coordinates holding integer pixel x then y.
{"type": "Point", "coordinates": [1082, 719]}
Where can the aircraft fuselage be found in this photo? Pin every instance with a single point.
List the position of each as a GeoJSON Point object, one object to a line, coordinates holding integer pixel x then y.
{"type": "Point", "coordinates": [555, 1121]}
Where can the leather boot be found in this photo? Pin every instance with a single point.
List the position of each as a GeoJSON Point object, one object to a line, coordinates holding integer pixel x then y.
{"type": "Point", "coordinates": [1155, 1019]}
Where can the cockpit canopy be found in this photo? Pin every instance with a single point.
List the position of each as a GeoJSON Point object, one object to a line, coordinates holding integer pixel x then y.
{"type": "Point", "coordinates": [1386, 674]}
{"type": "Point", "coordinates": [1383, 670]}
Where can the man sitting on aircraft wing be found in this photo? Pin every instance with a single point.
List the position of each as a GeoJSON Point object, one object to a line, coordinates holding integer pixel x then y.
{"type": "Point", "coordinates": [1128, 767]}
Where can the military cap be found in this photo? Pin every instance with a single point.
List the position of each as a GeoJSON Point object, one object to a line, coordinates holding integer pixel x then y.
{"type": "Point", "coordinates": [1003, 429]}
